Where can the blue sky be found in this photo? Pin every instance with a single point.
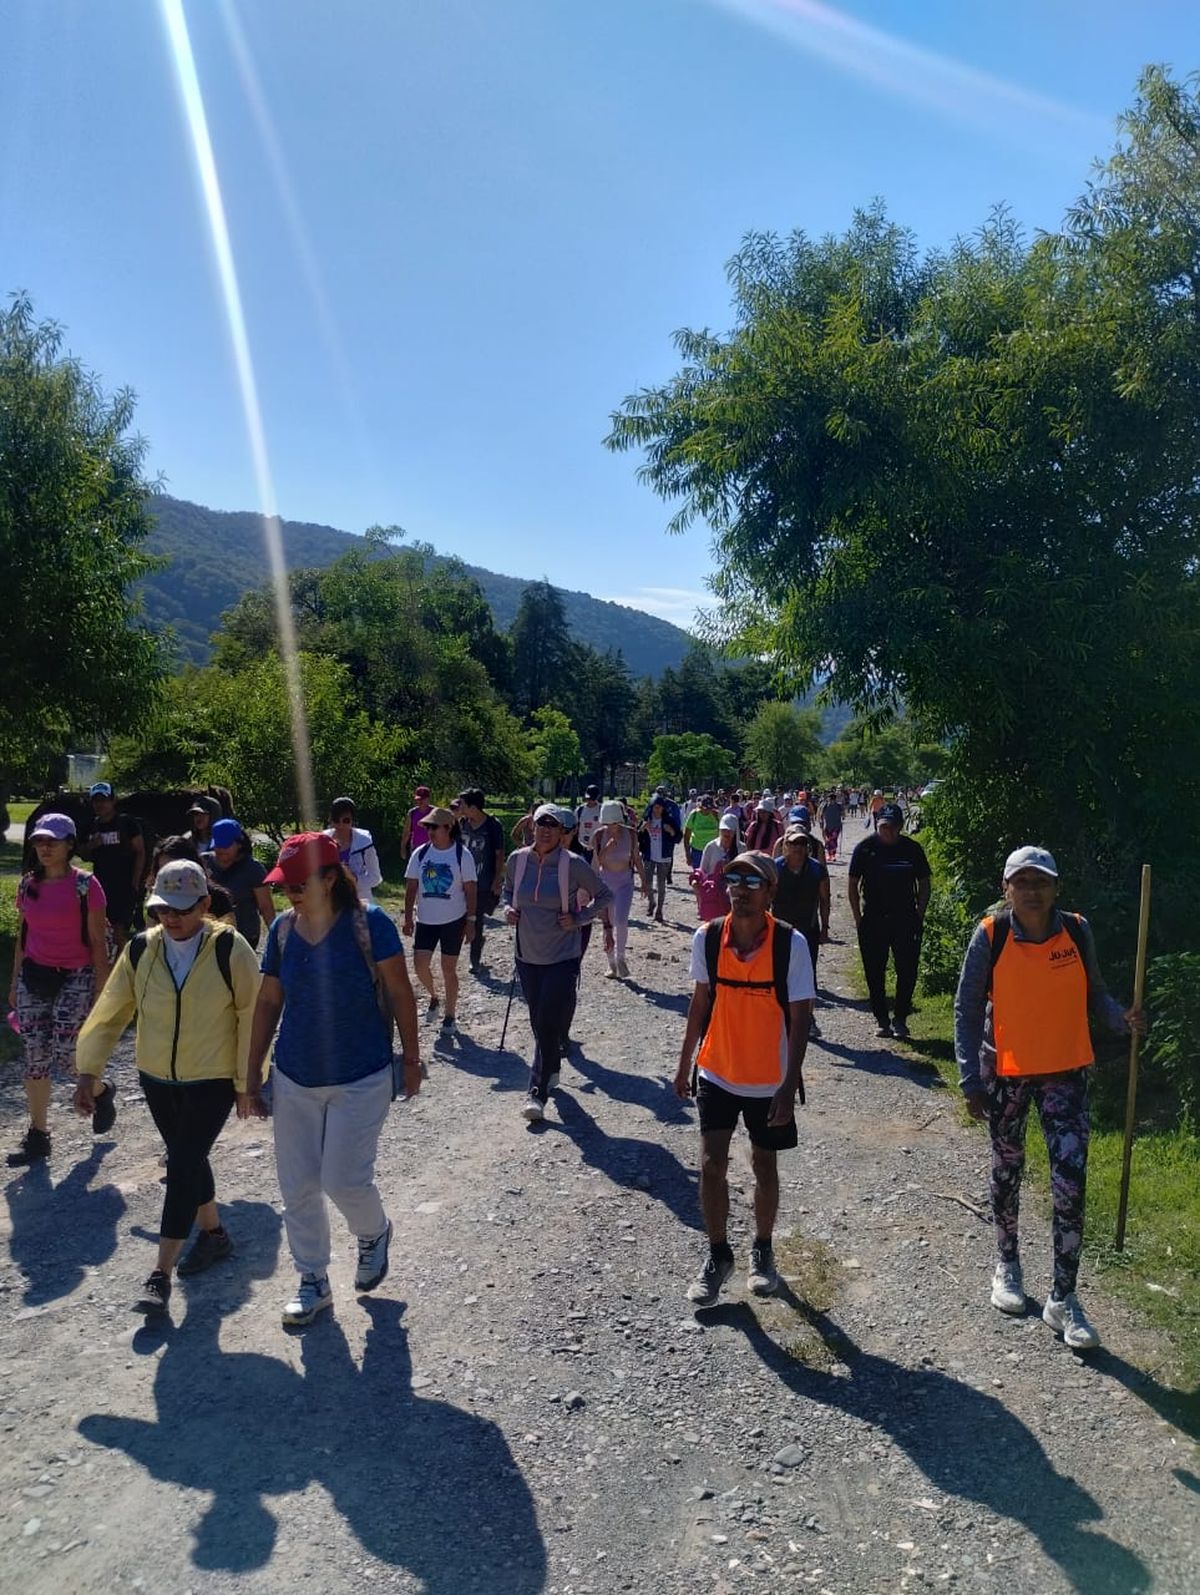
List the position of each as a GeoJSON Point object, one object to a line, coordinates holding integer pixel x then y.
{"type": "Point", "coordinates": [465, 229]}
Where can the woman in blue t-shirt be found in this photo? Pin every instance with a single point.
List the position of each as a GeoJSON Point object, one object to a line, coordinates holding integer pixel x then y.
{"type": "Point", "coordinates": [333, 1061]}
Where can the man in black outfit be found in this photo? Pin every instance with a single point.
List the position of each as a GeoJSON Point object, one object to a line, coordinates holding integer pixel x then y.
{"type": "Point", "coordinates": [889, 893]}
{"type": "Point", "coordinates": [483, 835]}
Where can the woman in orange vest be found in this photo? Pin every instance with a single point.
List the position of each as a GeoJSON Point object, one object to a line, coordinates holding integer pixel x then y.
{"type": "Point", "coordinates": [1021, 1037]}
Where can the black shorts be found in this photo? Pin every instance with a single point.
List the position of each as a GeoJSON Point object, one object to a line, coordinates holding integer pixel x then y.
{"type": "Point", "coordinates": [427, 938]}
{"type": "Point", "coordinates": [720, 1110]}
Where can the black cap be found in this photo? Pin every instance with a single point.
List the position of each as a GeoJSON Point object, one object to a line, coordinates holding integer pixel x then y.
{"type": "Point", "coordinates": [890, 814]}
{"type": "Point", "coordinates": [592, 792]}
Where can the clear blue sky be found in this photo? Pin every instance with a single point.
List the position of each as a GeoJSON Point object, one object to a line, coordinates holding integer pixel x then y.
{"type": "Point", "coordinates": [466, 229]}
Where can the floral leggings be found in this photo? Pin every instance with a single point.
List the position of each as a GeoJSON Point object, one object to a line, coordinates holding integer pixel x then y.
{"type": "Point", "coordinates": [1062, 1104]}
{"type": "Point", "coordinates": [49, 1029]}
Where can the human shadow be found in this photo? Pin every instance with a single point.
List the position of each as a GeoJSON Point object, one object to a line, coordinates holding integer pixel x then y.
{"type": "Point", "coordinates": [1180, 1407]}
{"type": "Point", "coordinates": [1188, 1480]}
{"type": "Point", "coordinates": [675, 1002]}
{"type": "Point", "coordinates": [243, 1427]}
{"type": "Point", "coordinates": [627, 1161]}
{"type": "Point", "coordinates": [59, 1231]}
{"type": "Point", "coordinates": [879, 1061]}
{"type": "Point", "coordinates": [967, 1443]}
{"type": "Point", "coordinates": [507, 1070]}
{"type": "Point", "coordinates": [639, 1090]}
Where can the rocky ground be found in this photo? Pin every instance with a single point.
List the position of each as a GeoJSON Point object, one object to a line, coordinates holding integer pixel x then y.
{"type": "Point", "coordinates": [528, 1404]}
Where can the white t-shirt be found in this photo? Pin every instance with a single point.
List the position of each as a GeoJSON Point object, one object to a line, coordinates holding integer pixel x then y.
{"type": "Point", "coordinates": [589, 818]}
{"type": "Point", "coordinates": [439, 876]}
{"type": "Point", "coordinates": [655, 829]}
{"type": "Point", "coordinates": [181, 955]}
{"type": "Point", "coordinates": [800, 988]}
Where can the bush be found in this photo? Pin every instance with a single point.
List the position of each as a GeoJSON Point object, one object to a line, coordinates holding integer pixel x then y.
{"type": "Point", "coordinates": [948, 926]}
{"type": "Point", "coordinates": [1172, 1050]}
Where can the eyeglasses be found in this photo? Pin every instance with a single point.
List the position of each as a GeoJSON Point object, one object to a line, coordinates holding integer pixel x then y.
{"type": "Point", "coordinates": [179, 913]}
{"type": "Point", "coordinates": [441, 825]}
{"type": "Point", "coordinates": [750, 882]}
{"type": "Point", "coordinates": [546, 820]}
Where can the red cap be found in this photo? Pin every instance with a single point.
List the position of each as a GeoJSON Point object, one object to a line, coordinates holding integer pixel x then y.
{"type": "Point", "coordinates": [421, 792]}
{"type": "Point", "coordinates": [302, 856]}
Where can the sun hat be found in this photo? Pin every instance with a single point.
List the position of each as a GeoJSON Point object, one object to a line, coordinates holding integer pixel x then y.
{"type": "Point", "coordinates": [58, 827]}
{"type": "Point", "coordinates": [611, 813]}
{"type": "Point", "coordinates": [180, 884]}
{"type": "Point", "coordinates": [438, 816]}
{"type": "Point", "coordinates": [1030, 857]}
{"type": "Point", "coordinates": [301, 856]}
{"type": "Point", "coordinates": [227, 833]}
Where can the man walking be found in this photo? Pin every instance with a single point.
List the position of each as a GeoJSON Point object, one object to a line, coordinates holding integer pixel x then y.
{"type": "Point", "coordinates": [751, 1006]}
{"type": "Point", "coordinates": [114, 846]}
{"type": "Point", "coordinates": [889, 893]}
{"type": "Point", "coordinates": [483, 836]}
{"type": "Point", "coordinates": [587, 818]}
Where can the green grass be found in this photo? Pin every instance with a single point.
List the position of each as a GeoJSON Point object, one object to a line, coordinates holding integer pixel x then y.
{"type": "Point", "coordinates": [18, 813]}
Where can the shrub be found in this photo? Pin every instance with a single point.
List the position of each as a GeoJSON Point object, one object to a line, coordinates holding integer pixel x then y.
{"type": "Point", "coordinates": [1173, 1048]}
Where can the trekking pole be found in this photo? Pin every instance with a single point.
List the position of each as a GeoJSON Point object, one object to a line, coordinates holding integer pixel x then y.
{"type": "Point", "coordinates": [512, 986]}
{"type": "Point", "coordinates": [1139, 988]}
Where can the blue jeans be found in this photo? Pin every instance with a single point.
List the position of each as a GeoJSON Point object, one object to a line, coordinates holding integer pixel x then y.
{"type": "Point", "coordinates": [549, 991]}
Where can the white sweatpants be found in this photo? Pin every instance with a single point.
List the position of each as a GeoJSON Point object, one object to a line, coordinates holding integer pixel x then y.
{"type": "Point", "coordinates": [325, 1141]}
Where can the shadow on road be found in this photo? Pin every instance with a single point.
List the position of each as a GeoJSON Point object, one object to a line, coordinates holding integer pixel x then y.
{"type": "Point", "coordinates": [637, 1089]}
{"type": "Point", "coordinates": [965, 1442]}
{"type": "Point", "coordinates": [422, 1484]}
{"type": "Point", "coordinates": [879, 1060]}
{"type": "Point", "coordinates": [627, 1160]}
{"type": "Point", "coordinates": [1180, 1407]}
{"type": "Point", "coordinates": [59, 1231]}
{"type": "Point", "coordinates": [507, 1070]}
{"type": "Point", "coordinates": [675, 1002]}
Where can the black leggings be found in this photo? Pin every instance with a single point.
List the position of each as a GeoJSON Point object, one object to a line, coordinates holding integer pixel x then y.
{"type": "Point", "coordinates": [189, 1115]}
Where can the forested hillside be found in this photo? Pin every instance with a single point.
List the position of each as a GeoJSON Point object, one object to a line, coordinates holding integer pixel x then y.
{"type": "Point", "coordinates": [215, 556]}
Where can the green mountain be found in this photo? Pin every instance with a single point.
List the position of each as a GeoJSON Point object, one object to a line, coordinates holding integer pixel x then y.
{"type": "Point", "coordinates": [214, 556]}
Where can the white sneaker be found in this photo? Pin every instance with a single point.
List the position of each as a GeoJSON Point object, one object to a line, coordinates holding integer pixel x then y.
{"type": "Point", "coordinates": [532, 1109]}
{"type": "Point", "coordinates": [1008, 1289]}
{"type": "Point", "coordinates": [1067, 1319]}
{"type": "Point", "coordinates": [372, 1260]}
{"type": "Point", "coordinates": [611, 972]}
{"type": "Point", "coordinates": [312, 1297]}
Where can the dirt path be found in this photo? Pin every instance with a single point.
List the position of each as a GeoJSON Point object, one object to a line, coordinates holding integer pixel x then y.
{"type": "Point", "coordinates": [528, 1405]}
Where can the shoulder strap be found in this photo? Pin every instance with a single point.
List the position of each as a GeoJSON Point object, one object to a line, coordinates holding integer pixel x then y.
{"type": "Point", "coordinates": [1073, 925]}
{"type": "Point", "coordinates": [223, 949]}
{"type": "Point", "coordinates": [362, 935]}
{"type": "Point", "coordinates": [458, 852]}
{"type": "Point", "coordinates": [520, 859]}
{"type": "Point", "coordinates": [286, 921]}
{"type": "Point", "coordinates": [421, 852]}
{"type": "Point", "coordinates": [781, 958]}
{"type": "Point", "coordinates": [137, 949]}
{"type": "Point", "coordinates": [564, 880]}
{"type": "Point", "coordinates": [83, 885]}
{"type": "Point", "coordinates": [998, 927]}
{"type": "Point", "coordinates": [712, 952]}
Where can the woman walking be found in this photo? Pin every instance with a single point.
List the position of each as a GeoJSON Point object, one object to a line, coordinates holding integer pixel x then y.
{"type": "Point", "coordinates": [233, 867]}
{"type": "Point", "coordinates": [439, 890]}
{"type": "Point", "coordinates": [61, 962]}
{"type": "Point", "coordinates": [712, 896]}
{"type": "Point", "coordinates": [657, 837]}
{"type": "Point", "coordinates": [333, 1061]}
{"type": "Point", "coordinates": [616, 858]}
{"type": "Point", "coordinates": [1029, 979]}
{"type": "Point", "coordinates": [356, 847]}
{"type": "Point", "coordinates": [190, 985]}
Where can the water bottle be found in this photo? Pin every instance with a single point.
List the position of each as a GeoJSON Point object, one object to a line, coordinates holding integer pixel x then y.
{"type": "Point", "coordinates": [14, 1024]}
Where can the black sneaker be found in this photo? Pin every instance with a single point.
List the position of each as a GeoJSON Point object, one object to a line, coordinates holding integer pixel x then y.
{"type": "Point", "coordinates": [104, 1112]}
{"type": "Point", "coordinates": [885, 1028]}
{"type": "Point", "coordinates": [155, 1294]}
{"type": "Point", "coordinates": [209, 1247]}
{"type": "Point", "coordinates": [763, 1278]}
{"type": "Point", "coordinates": [900, 1030]}
{"type": "Point", "coordinates": [706, 1287]}
{"type": "Point", "coordinates": [34, 1148]}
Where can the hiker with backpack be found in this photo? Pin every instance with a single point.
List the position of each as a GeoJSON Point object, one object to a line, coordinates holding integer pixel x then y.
{"type": "Point", "coordinates": [542, 887]}
{"type": "Point", "coordinates": [440, 891]}
{"type": "Point", "coordinates": [189, 985]}
{"type": "Point", "coordinates": [751, 1004]}
{"type": "Point", "coordinates": [115, 845]}
{"type": "Point", "coordinates": [617, 859]}
{"type": "Point", "coordinates": [356, 846]}
{"type": "Point", "coordinates": [333, 977]}
{"type": "Point", "coordinates": [707, 879]}
{"type": "Point", "coordinates": [60, 964]}
{"type": "Point", "coordinates": [1029, 980]}
{"type": "Point", "coordinates": [802, 897]}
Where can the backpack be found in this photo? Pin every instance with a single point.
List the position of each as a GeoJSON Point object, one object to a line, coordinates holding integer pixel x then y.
{"type": "Point", "coordinates": [1001, 927]}
{"type": "Point", "coordinates": [781, 956]}
{"type": "Point", "coordinates": [223, 951]}
{"type": "Point", "coordinates": [83, 883]}
{"type": "Point", "coordinates": [713, 895]}
{"type": "Point", "coordinates": [521, 858]}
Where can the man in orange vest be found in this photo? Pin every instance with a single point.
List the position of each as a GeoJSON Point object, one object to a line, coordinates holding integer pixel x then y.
{"type": "Point", "coordinates": [751, 1007]}
{"type": "Point", "coordinates": [1021, 1037]}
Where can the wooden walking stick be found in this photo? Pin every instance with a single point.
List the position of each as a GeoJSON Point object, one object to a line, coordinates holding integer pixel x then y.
{"type": "Point", "coordinates": [1135, 1041]}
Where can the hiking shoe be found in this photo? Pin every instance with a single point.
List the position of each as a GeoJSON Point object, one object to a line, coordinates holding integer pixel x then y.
{"type": "Point", "coordinates": [1008, 1288]}
{"type": "Point", "coordinates": [885, 1029]}
{"type": "Point", "coordinates": [1067, 1319]}
{"type": "Point", "coordinates": [706, 1287]}
{"type": "Point", "coordinates": [611, 972]}
{"type": "Point", "coordinates": [312, 1296]}
{"type": "Point", "coordinates": [33, 1148]}
{"type": "Point", "coordinates": [434, 1005]}
{"type": "Point", "coordinates": [154, 1294]}
{"type": "Point", "coordinates": [622, 969]}
{"type": "Point", "coordinates": [763, 1278]}
{"type": "Point", "coordinates": [372, 1260]}
{"type": "Point", "coordinates": [814, 1028]}
{"type": "Point", "coordinates": [104, 1113]}
{"type": "Point", "coordinates": [449, 1025]}
{"type": "Point", "coordinates": [209, 1247]}
{"type": "Point", "coordinates": [533, 1109]}
{"type": "Point", "coordinates": [900, 1029]}
{"type": "Point", "coordinates": [552, 1082]}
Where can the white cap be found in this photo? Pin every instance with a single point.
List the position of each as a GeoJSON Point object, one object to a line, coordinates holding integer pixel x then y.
{"type": "Point", "coordinates": [1030, 858]}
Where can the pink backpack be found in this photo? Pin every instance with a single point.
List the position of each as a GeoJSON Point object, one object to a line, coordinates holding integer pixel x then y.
{"type": "Point", "coordinates": [713, 895]}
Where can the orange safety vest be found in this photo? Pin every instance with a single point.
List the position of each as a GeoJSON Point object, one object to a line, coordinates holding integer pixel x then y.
{"type": "Point", "coordinates": [743, 1042]}
{"type": "Point", "coordinates": [1039, 1006]}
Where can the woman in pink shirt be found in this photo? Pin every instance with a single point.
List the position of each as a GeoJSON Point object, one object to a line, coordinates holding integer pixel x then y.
{"type": "Point", "coordinates": [61, 964]}
{"type": "Point", "coordinates": [415, 833]}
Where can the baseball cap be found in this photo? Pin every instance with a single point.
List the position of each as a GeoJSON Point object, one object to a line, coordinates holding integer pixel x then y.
{"type": "Point", "coordinates": [206, 805]}
{"type": "Point", "coordinates": [1029, 857]}
{"type": "Point", "coordinates": [760, 863]}
{"type": "Point", "coordinates": [566, 818]}
{"type": "Point", "coordinates": [891, 814]}
{"type": "Point", "coordinates": [548, 811]}
{"type": "Point", "coordinates": [58, 827]}
{"type": "Point", "coordinates": [421, 792]}
{"type": "Point", "coordinates": [796, 833]}
{"type": "Point", "coordinates": [301, 856]}
{"type": "Point", "coordinates": [180, 884]}
{"type": "Point", "coordinates": [340, 805]}
{"type": "Point", "coordinates": [592, 792]}
{"type": "Point", "coordinates": [100, 789]}
{"type": "Point", "coordinates": [225, 833]}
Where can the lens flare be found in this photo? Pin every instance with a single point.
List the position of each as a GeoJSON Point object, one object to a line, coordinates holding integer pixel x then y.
{"type": "Point", "coordinates": [235, 319]}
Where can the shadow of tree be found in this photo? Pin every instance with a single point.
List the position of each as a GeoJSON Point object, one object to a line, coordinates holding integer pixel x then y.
{"type": "Point", "coordinates": [627, 1160]}
{"type": "Point", "coordinates": [965, 1442]}
{"type": "Point", "coordinates": [60, 1230]}
{"type": "Point", "coordinates": [409, 1475]}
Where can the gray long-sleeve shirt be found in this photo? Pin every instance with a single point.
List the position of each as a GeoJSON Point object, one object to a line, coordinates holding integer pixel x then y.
{"type": "Point", "coordinates": [974, 1038]}
{"type": "Point", "coordinates": [540, 938]}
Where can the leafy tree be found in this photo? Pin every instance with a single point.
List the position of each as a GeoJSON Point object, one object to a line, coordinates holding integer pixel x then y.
{"type": "Point", "coordinates": [967, 482]}
{"type": "Point", "coordinates": [783, 743]}
{"type": "Point", "coordinates": [74, 658]}
{"type": "Point", "coordinates": [541, 647]}
{"type": "Point", "coordinates": [690, 758]}
{"type": "Point", "coordinates": [884, 756]}
{"type": "Point", "coordinates": [554, 746]}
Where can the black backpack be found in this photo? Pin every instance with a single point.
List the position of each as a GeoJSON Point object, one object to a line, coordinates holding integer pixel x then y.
{"type": "Point", "coordinates": [1002, 929]}
{"type": "Point", "coordinates": [83, 883]}
{"type": "Point", "coordinates": [223, 950]}
{"type": "Point", "coordinates": [781, 957]}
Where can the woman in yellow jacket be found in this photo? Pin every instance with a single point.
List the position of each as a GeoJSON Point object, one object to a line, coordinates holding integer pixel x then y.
{"type": "Point", "coordinates": [191, 986]}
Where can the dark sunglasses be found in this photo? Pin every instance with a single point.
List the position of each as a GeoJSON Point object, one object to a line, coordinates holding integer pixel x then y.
{"type": "Point", "coordinates": [737, 878]}
{"type": "Point", "coordinates": [546, 820]}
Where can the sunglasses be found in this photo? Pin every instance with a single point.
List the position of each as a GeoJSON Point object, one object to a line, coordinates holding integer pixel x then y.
{"type": "Point", "coordinates": [179, 913]}
{"type": "Point", "coordinates": [546, 820]}
{"type": "Point", "coordinates": [441, 826]}
{"type": "Point", "coordinates": [737, 878]}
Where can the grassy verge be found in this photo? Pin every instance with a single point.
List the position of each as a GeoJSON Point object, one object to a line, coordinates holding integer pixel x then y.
{"type": "Point", "coordinates": [18, 813]}
{"type": "Point", "coordinates": [1159, 1270]}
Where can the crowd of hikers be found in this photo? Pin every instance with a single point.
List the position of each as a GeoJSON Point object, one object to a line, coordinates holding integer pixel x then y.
{"type": "Point", "coordinates": [167, 939]}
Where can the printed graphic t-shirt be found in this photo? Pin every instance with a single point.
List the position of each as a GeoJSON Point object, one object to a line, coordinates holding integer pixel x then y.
{"type": "Point", "coordinates": [439, 877]}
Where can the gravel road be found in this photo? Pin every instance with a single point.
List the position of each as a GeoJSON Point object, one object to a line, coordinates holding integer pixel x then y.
{"type": "Point", "coordinates": [528, 1404]}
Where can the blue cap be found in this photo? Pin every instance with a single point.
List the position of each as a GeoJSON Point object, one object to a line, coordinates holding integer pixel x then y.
{"type": "Point", "coordinates": [225, 833]}
{"type": "Point", "coordinates": [101, 789]}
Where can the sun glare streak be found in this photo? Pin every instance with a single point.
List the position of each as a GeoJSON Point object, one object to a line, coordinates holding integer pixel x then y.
{"type": "Point", "coordinates": [293, 216]}
{"type": "Point", "coordinates": [911, 72]}
{"type": "Point", "coordinates": [206, 165]}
